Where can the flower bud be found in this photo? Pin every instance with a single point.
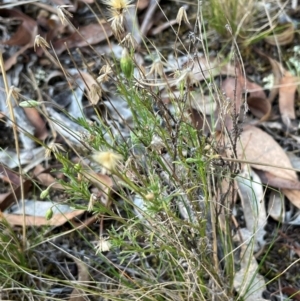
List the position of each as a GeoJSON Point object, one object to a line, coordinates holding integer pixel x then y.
{"type": "Point", "coordinates": [77, 167]}
{"type": "Point", "coordinates": [126, 64]}
{"type": "Point", "coordinates": [29, 103]}
{"type": "Point", "coordinates": [49, 214]}
{"type": "Point", "coordinates": [44, 193]}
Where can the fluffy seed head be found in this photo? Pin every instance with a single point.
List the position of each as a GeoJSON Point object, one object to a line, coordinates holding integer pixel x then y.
{"type": "Point", "coordinates": [108, 160]}
{"type": "Point", "coordinates": [118, 5]}
{"type": "Point", "coordinates": [117, 9]}
{"type": "Point", "coordinates": [103, 245]}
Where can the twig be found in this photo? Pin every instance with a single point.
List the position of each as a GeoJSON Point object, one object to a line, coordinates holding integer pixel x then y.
{"type": "Point", "coordinates": [146, 23]}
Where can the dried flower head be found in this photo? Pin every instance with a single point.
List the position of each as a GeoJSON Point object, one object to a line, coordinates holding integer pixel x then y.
{"type": "Point", "coordinates": [92, 201]}
{"type": "Point", "coordinates": [181, 15]}
{"type": "Point", "coordinates": [40, 42]}
{"type": "Point", "coordinates": [63, 13]}
{"type": "Point", "coordinates": [108, 160]}
{"type": "Point", "coordinates": [105, 72]}
{"type": "Point", "coordinates": [186, 78]}
{"type": "Point", "coordinates": [103, 245]}
{"type": "Point", "coordinates": [53, 148]}
{"type": "Point", "coordinates": [117, 10]}
{"type": "Point", "coordinates": [15, 92]}
{"type": "Point", "coordinates": [129, 41]}
{"type": "Point", "coordinates": [157, 68]}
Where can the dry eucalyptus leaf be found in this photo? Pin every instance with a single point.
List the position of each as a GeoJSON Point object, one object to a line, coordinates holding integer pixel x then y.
{"type": "Point", "coordinates": [83, 278]}
{"type": "Point", "coordinates": [279, 183]}
{"type": "Point", "coordinates": [38, 123]}
{"type": "Point", "coordinates": [260, 107]}
{"type": "Point", "coordinates": [287, 90]}
{"type": "Point", "coordinates": [30, 220]}
{"type": "Point", "coordinates": [25, 31]}
{"type": "Point", "coordinates": [45, 178]}
{"type": "Point", "coordinates": [249, 284]}
{"type": "Point", "coordinates": [251, 193]}
{"type": "Point", "coordinates": [259, 147]}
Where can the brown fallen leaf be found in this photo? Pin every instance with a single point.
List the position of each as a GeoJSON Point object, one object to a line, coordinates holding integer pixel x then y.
{"type": "Point", "coordinates": [91, 86]}
{"type": "Point", "coordinates": [278, 71]}
{"type": "Point", "coordinates": [30, 220]}
{"type": "Point", "coordinates": [87, 35]}
{"type": "Point", "coordinates": [260, 107]}
{"type": "Point", "coordinates": [103, 183]}
{"type": "Point", "coordinates": [257, 101]}
{"type": "Point", "coordinates": [24, 32]}
{"type": "Point", "coordinates": [83, 278]}
{"type": "Point", "coordinates": [271, 180]}
{"type": "Point", "coordinates": [45, 178]}
{"type": "Point", "coordinates": [9, 176]}
{"type": "Point", "coordinates": [9, 198]}
{"type": "Point", "coordinates": [283, 38]}
{"type": "Point", "coordinates": [37, 121]}
{"type": "Point", "coordinates": [259, 147]}
{"type": "Point", "coordinates": [287, 90]}
{"type": "Point", "coordinates": [233, 88]}
{"type": "Point", "coordinates": [292, 293]}
{"type": "Point", "coordinates": [13, 59]}
{"type": "Point", "coordinates": [24, 36]}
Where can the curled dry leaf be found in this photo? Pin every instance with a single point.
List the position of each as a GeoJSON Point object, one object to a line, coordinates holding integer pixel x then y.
{"type": "Point", "coordinates": [283, 38]}
{"type": "Point", "coordinates": [276, 207]}
{"type": "Point", "coordinates": [278, 71]}
{"type": "Point", "coordinates": [38, 123]}
{"type": "Point", "coordinates": [260, 107]}
{"type": "Point", "coordinates": [92, 87]}
{"type": "Point", "coordinates": [285, 84]}
{"type": "Point", "coordinates": [256, 98]}
{"type": "Point", "coordinates": [257, 146]}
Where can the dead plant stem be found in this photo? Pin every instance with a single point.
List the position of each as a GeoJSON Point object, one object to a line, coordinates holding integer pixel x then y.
{"type": "Point", "coordinates": [9, 92]}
